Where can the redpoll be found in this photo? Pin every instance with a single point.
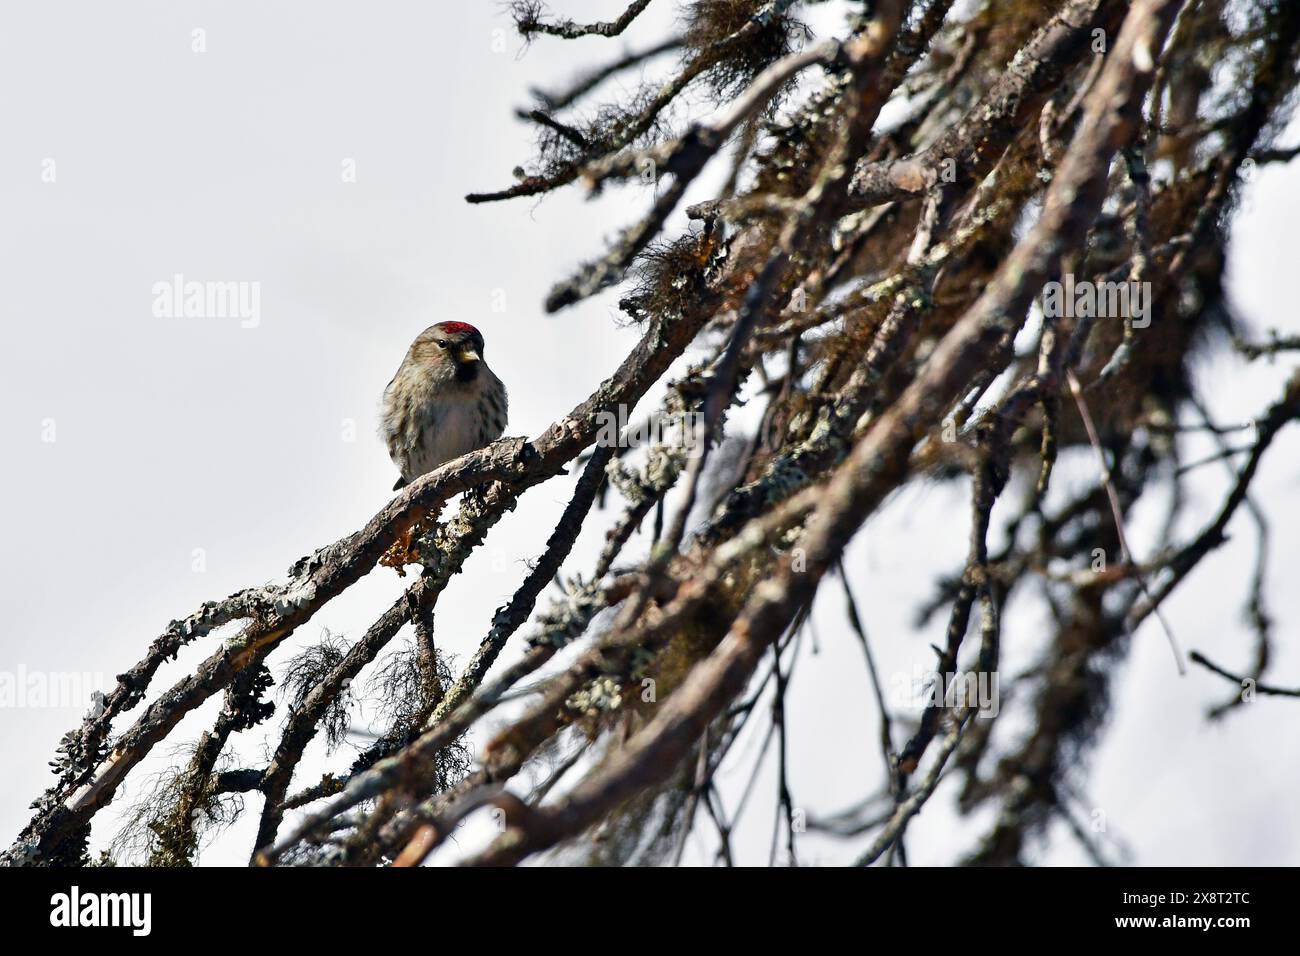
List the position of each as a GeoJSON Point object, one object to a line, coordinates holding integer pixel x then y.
{"type": "Point", "coordinates": [443, 402]}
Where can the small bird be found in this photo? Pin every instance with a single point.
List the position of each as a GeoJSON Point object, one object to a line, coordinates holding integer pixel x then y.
{"type": "Point", "coordinates": [443, 402]}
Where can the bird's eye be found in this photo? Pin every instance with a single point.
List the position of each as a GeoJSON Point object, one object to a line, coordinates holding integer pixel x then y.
{"type": "Point", "coordinates": [442, 345]}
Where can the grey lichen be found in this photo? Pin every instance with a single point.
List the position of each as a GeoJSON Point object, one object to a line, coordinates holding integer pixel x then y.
{"type": "Point", "coordinates": [601, 696]}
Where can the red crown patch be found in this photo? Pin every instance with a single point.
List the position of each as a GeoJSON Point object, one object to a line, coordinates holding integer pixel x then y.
{"type": "Point", "coordinates": [457, 328]}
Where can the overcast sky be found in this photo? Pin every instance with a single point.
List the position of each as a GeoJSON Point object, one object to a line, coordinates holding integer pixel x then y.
{"type": "Point", "coordinates": [154, 463]}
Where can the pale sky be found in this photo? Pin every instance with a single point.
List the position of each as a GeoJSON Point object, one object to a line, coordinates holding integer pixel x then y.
{"type": "Point", "coordinates": [191, 457]}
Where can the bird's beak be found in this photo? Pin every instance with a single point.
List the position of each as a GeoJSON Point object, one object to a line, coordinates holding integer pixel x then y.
{"type": "Point", "coordinates": [467, 356]}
